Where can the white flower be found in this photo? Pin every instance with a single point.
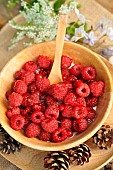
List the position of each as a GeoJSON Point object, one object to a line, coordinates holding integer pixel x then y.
{"type": "Point", "coordinates": [82, 18]}
{"type": "Point", "coordinates": [110, 33]}
{"type": "Point", "coordinates": [79, 33]}
{"type": "Point", "coordinates": [90, 38]}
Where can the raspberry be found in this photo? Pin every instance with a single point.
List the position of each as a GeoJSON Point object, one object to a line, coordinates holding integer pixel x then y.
{"type": "Point", "coordinates": [20, 87]}
{"type": "Point", "coordinates": [68, 85]}
{"type": "Point", "coordinates": [67, 112]}
{"type": "Point", "coordinates": [15, 99]}
{"type": "Point", "coordinates": [8, 93]}
{"type": "Point", "coordinates": [50, 101]}
{"type": "Point", "coordinates": [80, 101]}
{"type": "Point", "coordinates": [25, 111]}
{"type": "Point", "coordinates": [59, 91]}
{"type": "Point", "coordinates": [76, 70]}
{"type": "Point", "coordinates": [27, 121]}
{"type": "Point", "coordinates": [49, 125]}
{"type": "Point", "coordinates": [65, 74]}
{"type": "Point", "coordinates": [19, 73]}
{"type": "Point", "coordinates": [59, 134]}
{"type": "Point", "coordinates": [17, 122]}
{"type": "Point", "coordinates": [43, 61]}
{"type": "Point", "coordinates": [28, 77]}
{"type": "Point", "coordinates": [91, 113]}
{"type": "Point", "coordinates": [37, 117]}
{"type": "Point", "coordinates": [33, 130]}
{"type": "Point", "coordinates": [45, 136]}
{"type": "Point", "coordinates": [33, 98]}
{"type": "Point", "coordinates": [69, 133]}
{"type": "Point", "coordinates": [88, 73]}
{"type": "Point", "coordinates": [30, 66]}
{"type": "Point", "coordinates": [66, 61]}
{"type": "Point", "coordinates": [71, 78]}
{"type": "Point", "coordinates": [36, 106]}
{"type": "Point", "coordinates": [25, 99]}
{"type": "Point", "coordinates": [91, 101]}
{"type": "Point", "coordinates": [97, 88]}
{"type": "Point", "coordinates": [78, 83]}
{"type": "Point", "coordinates": [42, 84]}
{"type": "Point", "coordinates": [38, 76]}
{"type": "Point", "coordinates": [52, 112]}
{"type": "Point", "coordinates": [80, 125]}
{"type": "Point", "coordinates": [61, 107]}
{"type": "Point", "coordinates": [80, 112]}
{"type": "Point", "coordinates": [13, 111]}
{"type": "Point", "coordinates": [43, 107]}
{"type": "Point", "coordinates": [43, 72]}
{"type": "Point", "coordinates": [70, 99]}
{"type": "Point", "coordinates": [83, 90]}
{"type": "Point", "coordinates": [32, 88]}
{"type": "Point", "coordinates": [66, 123]}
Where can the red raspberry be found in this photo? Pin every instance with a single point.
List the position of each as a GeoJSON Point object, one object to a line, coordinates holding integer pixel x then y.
{"type": "Point", "coordinates": [71, 78]}
{"type": "Point", "coordinates": [50, 101]}
{"type": "Point", "coordinates": [69, 133]}
{"type": "Point", "coordinates": [65, 74]}
{"type": "Point", "coordinates": [43, 72]}
{"type": "Point", "coordinates": [49, 125]}
{"type": "Point", "coordinates": [52, 112]}
{"type": "Point", "coordinates": [59, 91]}
{"type": "Point", "coordinates": [61, 107]}
{"type": "Point", "coordinates": [8, 93]}
{"type": "Point", "coordinates": [19, 73]}
{"type": "Point", "coordinates": [68, 85]}
{"type": "Point", "coordinates": [76, 70]}
{"type": "Point", "coordinates": [91, 101]}
{"type": "Point", "coordinates": [67, 112]}
{"type": "Point", "coordinates": [97, 88]}
{"type": "Point", "coordinates": [43, 61]}
{"type": "Point", "coordinates": [66, 61]}
{"type": "Point", "coordinates": [42, 84]}
{"type": "Point", "coordinates": [36, 106]}
{"type": "Point", "coordinates": [70, 99]}
{"type": "Point", "coordinates": [80, 112]}
{"type": "Point", "coordinates": [91, 113]}
{"type": "Point", "coordinates": [66, 123]}
{"type": "Point", "coordinates": [13, 111]}
{"type": "Point", "coordinates": [80, 101]}
{"type": "Point", "coordinates": [28, 77]}
{"type": "Point", "coordinates": [38, 76]}
{"type": "Point", "coordinates": [88, 73]}
{"type": "Point", "coordinates": [77, 83]}
{"type": "Point", "coordinates": [43, 107]}
{"type": "Point", "coordinates": [20, 87]}
{"type": "Point", "coordinates": [33, 98]}
{"type": "Point", "coordinates": [83, 90]}
{"type": "Point", "coordinates": [25, 111]}
{"type": "Point", "coordinates": [33, 130]}
{"type": "Point", "coordinates": [30, 66]}
{"type": "Point", "coordinates": [32, 88]}
{"type": "Point", "coordinates": [25, 99]}
{"type": "Point", "coordinates": [80, 125]}
{"type": "Point", "coordinates": [59, 134]}
{"type": "Point", "coordinates": [37, 117]}
{"type": "Point", "coordinates": [27, 121]}
{"type": "Point", "coordinates": [17, 122]}
{"type": "Point", "coordinates": [45, 136]}
{"type": "Point", "coordinates": [15, 99]}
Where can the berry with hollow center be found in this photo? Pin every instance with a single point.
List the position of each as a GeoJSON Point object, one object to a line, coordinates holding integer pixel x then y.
{"type": "Point", "coordinates": [49, 125]}
{"type": "Point", "coordinates": [17, 122]}
{"type": "Point", "coordinates": [42, 84]}
{"type": "Point", "coordinates": [43, 61]}
{"type": "Point", "coordinates": [33, 130]}
{"type": "Point", "coordinates": [80, 125]}
{"type": "Point", "coordinates": [76, 70]}
{"type": "Point", "coordinates": [37, 117]}
{"type": "Point", "coordinates": [15, 99]}
{"type": "Point", "coordinates": [52, 112]}
{"type": "Point", "coordinates": [59, 134]}
{"type": "Point", "coordinates": [88, 73]}
{"type": "Point", "coordinates": [80, 112]}
{"type": "Point", "coordinates": [70, 99]}
{"type": "Point", "coordinates": [12, 111]}
{"type": "Point", "coordinates": [20, 87]}
{"type": "Point", "coordinates": [30, 66]}
{"type": "Point", "coordinates": [96, 88]}
{"type": "Point", "coordinates": [83, 90]}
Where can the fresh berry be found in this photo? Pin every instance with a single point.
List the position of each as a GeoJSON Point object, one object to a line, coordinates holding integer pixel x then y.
{"type": "Point", "coordinates": [33, 98]}
{"type": "Point", "coordinates": [50, 101]}
{"type": "Point", "coordinates": [20, 87]}
{"type": "Point", "coordinates": [19, 73]}
{"type": "Point", "coordinates": [65, 74]}
{"type": "Point", "coordinates": [59, 134]}
{"type": "Point", "coordinates": [96, 88]}
{"type": "Point", "coordinates": [33, 130]}
{"type": "Point", "coordinates": [15, 99]}
{"type": "Point", "coordinates": [37, 117]}
{"type": "Point", "coordinates": [49, 125]}
{"type": "Point", "coordinates": [36, 106]}
{"type": "Point", "coordinates": [17, 122]}
{"type": "Point", "coordinates": [43, 107]}
{"type": "Point", "coordinates": [13, 111]}
{"type": "Point", "coordinates": [38, 76]}
{"type": "Point", "coordinates": [52, 111]}
{"type": "Point", "coordinates": [66, 123]}
{"type": "Point", "coordinates": [43, 61]}
{"type": "Point", "coordinates": [83, 90]}
{"type": "Point", "coordinates": [76, 70]}
{"type": "Point", "coordinates": [91, 101]}
{"type": "Point", "coordinates": [88, 73]}
{"type": "Point", "coordinates": [28, 77]}
{"type": "Point", "coordinates": [30, 66]}
{"type": "Point", "coordinates": [27, 119]}
{"type": "Point", "coordinates": [32, 88]}
{"type": "Point", "coordinates": [91, 113]}
{"type": "Point", "coordinates": [66, 61]}
{"type": "Point", "coordinates": [69, 133]}
{"type": "Point", "coordinates": [71, 78]}
{"type": "Point", "coordinates": [70, 99]}
{"type": "Point", "coordinates": [45, 136]}
{"type": "Point", "coordinates": [8, 93]}
{"type": "Point", "coordinates": [69, 85]}
{"type": "Point", "coordinates": [25, 99]}
{"type": "Point", "coordinates": [25, 111]}
{"type": "Point", "coordinates": [43, 72]}
{"type": "Point", "coordinates": [59, 91]}
{"type": "Point", "coordinates": [80, 125]}
{"type": "Point", "coordinates": [67, 112]}
{"type": "Point", "coordinates": [42, 84]}
{"type": "Point", "coordinates": [80, 112]}
{"type": "Point", "coordinates": [80, 101]}
{"type": "Point", "coordinates": [61, 107]}
{"type": "Point", "coordinates": [77, 83]}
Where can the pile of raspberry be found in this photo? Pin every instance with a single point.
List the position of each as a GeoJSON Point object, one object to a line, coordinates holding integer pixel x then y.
{"type": "Point", "coordinates": [53, 112]}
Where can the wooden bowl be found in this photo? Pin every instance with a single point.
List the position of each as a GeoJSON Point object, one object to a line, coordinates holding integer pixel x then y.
{"type": "Point", "coordinates": [79, 54]}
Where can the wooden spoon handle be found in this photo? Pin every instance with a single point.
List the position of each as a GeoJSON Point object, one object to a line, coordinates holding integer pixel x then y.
{"type": "Point", "coordinates": [55, 74]}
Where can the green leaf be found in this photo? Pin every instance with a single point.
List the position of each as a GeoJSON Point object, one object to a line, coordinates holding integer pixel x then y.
{"type": "Point", "coordinates": [75, 24]}
{"type": "Point", "coordinates": [85, 27]}
{"type": "Point", "coordinates": [58, 4]}
{"type": "Point", "coordinates": [70, 30]}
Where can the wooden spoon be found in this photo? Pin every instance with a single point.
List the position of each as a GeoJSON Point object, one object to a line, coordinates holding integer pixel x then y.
{"type": "Point", "coordinates": [55, 75]}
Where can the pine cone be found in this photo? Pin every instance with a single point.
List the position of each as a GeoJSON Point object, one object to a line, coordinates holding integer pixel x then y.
{"type": "Point", "coordinates": [104, 137]}
{"type": "Point", "coordinates": [56, 161]}
{"type": "Point", "coordinates": [79, 154]}
{"type": "Point", "coordinates": [7, 143]}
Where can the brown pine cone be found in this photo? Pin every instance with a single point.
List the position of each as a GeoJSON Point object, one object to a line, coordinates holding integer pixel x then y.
{"type": "Point", "coordinates": [104, 137]}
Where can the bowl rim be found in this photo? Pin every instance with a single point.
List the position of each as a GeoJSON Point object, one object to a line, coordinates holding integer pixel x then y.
{"type": "Point", "coordinates": [60, 146]}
